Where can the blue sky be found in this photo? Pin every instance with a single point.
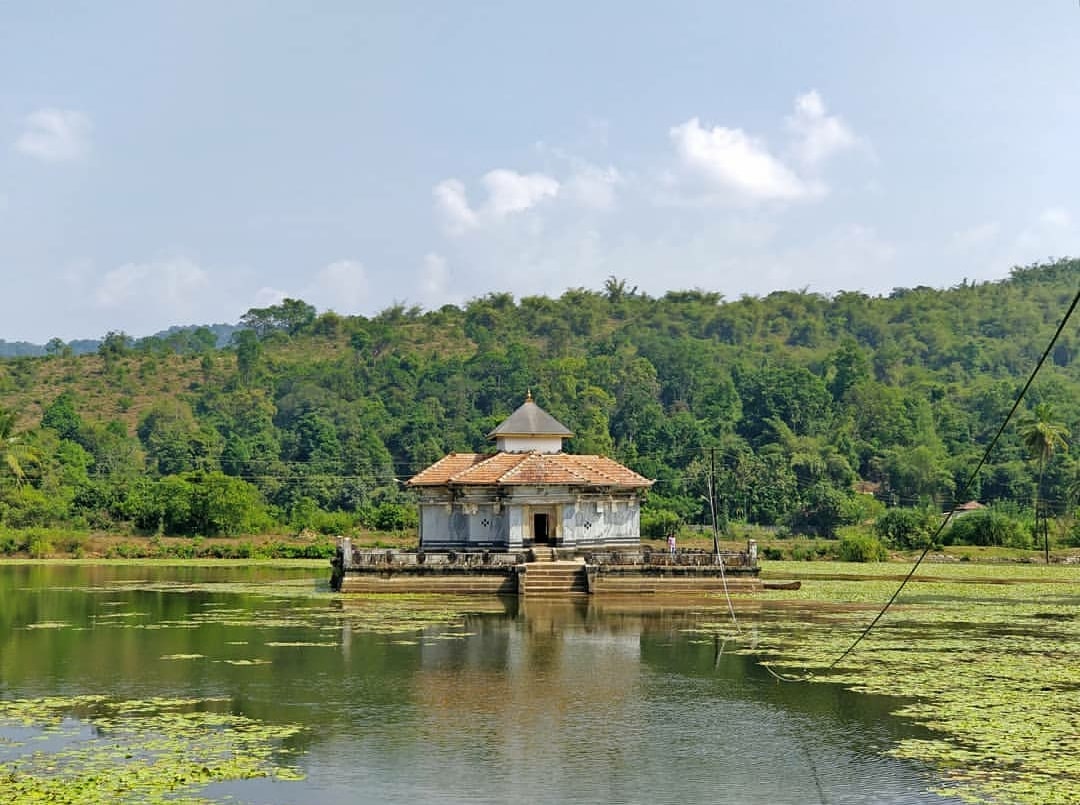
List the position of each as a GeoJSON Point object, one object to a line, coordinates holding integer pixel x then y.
{"type": "Point", "coordinates": [175, 163]}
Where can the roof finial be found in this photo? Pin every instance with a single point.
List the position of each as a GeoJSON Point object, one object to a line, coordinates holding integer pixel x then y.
{"type": "Point", "coordinates": [528, 395]}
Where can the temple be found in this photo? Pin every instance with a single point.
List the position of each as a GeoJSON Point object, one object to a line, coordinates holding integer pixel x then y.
{"type": "Point", "coordinates": [528, 494]}
{"type": "Point", "coordinates": [533, 521]}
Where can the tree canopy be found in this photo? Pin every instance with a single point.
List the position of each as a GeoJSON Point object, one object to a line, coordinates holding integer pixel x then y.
{"type": "Point", "coordinates": [803, 403]}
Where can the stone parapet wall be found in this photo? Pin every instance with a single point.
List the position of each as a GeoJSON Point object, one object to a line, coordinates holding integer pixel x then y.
{"type": "Point", "coordinates": [732, 560]}
{"type": "Point", "coordinates": [394, 559]}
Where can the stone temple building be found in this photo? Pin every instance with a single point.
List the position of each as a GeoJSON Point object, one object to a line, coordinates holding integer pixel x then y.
{"type": "Point", "coordinates": [528, 494]}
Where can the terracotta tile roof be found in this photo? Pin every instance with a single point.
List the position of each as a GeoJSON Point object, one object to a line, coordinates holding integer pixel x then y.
{"type": "Point", "coordinates": [970, 506]}
{"type": "Point", "coordinates": [446, 467]}
{"type": "Point", "coordinates": [528, 469]}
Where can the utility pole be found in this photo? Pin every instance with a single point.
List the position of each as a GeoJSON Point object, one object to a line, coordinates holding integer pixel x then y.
{"type": "Point", "coordinates": [712, 501]}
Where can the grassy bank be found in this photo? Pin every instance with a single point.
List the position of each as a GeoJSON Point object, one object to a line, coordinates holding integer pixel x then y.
{"type": "Point", "coordinates": [42, 543]}
{"type": "Point", "coordinates": [60, 544]}
{"type": "Point", "coordinates": [773, 549]}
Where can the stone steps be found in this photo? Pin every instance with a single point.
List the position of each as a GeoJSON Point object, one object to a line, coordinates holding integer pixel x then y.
{"type": "Point", "coordinates": [554, 579]}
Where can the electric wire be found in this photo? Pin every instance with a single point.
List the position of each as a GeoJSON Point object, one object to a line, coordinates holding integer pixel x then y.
{"type": "Point", "coordinates": [948, 517]}
{"type": "Point", "coordinates": [966, 485]}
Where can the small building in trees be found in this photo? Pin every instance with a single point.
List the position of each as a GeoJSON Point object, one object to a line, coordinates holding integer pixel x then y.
{"type": "Point", "coordinates": [528, 493]}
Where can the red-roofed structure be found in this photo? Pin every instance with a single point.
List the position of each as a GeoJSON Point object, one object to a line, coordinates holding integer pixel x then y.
{"type": "Point", "coordinates": [528, 493]}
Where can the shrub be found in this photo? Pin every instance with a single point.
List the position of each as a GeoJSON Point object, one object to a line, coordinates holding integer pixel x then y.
{"type": "Point", "coordinates": [906, 528]}
{"type": "Point", "coordinates": [71, 544]}
{"type": "Point", "coordinates": [994, 526]}
{"type": "Point", "coordinates": [11, 544]}
{"type": "Point", "coordinates": [861, 548]}
{"type": "Point", "coordinates": [1073, 537]}
{"type": "Point", "coordinates": [387, 517]}
{"type": "Point", "coordinates": [395, 517]}
{"type": "Point", "coordinates": [822, 511]}
{"type": "Point", "coordinates": [327, 523]}
{"type": "Point", "coordinates": [658, 523]}
{"type": "Point", "coordinates": [126, 550]}
{"type": "Point", "coordinates": [40, 546]}
{"type": "Point", "coordinates": [860, 508]}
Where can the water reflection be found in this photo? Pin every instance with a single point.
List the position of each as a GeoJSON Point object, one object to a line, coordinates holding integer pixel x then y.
{"type": "Point", "coordinates": [585, 701]}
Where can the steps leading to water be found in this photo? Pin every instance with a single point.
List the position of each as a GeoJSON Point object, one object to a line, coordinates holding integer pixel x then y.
{"type": "Point", "coordinates": [555, 579]}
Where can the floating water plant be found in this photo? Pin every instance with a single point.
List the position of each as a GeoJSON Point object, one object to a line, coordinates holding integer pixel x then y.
{"type": "Point", "coordinates": [136, 751]}
{"type": "Point", "coordinates": [993, 668]}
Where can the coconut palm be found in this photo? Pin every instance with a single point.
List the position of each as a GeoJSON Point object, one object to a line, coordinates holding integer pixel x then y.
{"type": "Point", "coordinates": [1042, 438]}
{"type": "Point", "coordinates": [14, 454]}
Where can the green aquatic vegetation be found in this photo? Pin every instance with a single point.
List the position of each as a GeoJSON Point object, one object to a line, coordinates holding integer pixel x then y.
{"type": "Point", "coordinates": [301, 603]}
{"type": "Point", "coordinates": [992, 668]}
{"type": "Point", "coordinates": [136, 751]}
{"type": "Point", "coordinates": [300, 644]}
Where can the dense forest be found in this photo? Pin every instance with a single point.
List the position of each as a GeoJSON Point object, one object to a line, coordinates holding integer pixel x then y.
{"type": "Point", "coordinates": [811, 412]}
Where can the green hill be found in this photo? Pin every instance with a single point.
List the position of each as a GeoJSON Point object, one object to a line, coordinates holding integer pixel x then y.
{"type": "Point", "coordinates": [801, 402]}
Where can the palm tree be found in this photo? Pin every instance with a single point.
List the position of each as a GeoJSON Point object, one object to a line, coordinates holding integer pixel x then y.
{"type": "Point", "coordinates": [11, 451]}
{"type": "Point", "coordinates": [1042, 438]}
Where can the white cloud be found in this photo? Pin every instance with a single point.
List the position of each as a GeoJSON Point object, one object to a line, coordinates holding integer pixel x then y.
{"type": "Point", "coordinates": [818, 135]}
{"type": "Point", "coordinates": [55, 135]}
{"type": "Point", "coordinates": [739, 165]}
{"type": "Point", "coordinates": [1052, 234]}
{"type": "Point", "coordinates": [342, 286]}
{"type": "Point", "coordinates": [434, 277]}
{"type": "Point", "coordinates": [268, 296]}
{"type": "Point", "coordinates": [508, 193]}
{"type": "Point", "coordinates": [511, 192]}
{"type": "Point", "coordinates": [1056, 217]}
{"type": "Point", "coordinates": [173, 282]}
{"type": "Point", "coordinates": [594, 187]}
{"type": "Point", "coordinates": [974, 236]}
{"type": "Point", "coordinates": [453, 206]}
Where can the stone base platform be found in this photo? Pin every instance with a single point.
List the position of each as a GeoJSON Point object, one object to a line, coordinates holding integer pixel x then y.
{"type": "Point", "coordinates": [617, 580]}
{"type": "Point", "coordinates": [465, 582]}
{"type": "Point", "coordinates": [543, 574]}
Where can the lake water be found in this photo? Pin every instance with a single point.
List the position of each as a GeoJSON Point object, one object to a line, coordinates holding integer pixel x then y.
{"type": "Point", "coordinates": [400, 700]}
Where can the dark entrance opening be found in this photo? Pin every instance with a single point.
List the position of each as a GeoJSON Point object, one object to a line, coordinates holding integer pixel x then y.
{"type": "Point", "coordinates": [540, 528]}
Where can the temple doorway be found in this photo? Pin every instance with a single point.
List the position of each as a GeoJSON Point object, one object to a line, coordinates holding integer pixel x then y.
{"type": "Point", "coordinates": [541, 529]}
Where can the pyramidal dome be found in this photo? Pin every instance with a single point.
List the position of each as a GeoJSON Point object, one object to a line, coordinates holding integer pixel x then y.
{"type": "Point", "coordinates": [530, 429]}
